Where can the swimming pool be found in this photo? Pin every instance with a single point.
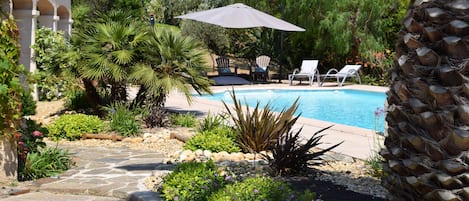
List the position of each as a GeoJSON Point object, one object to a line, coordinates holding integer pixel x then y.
{"type": "Point", "coordinates": [345, 106]}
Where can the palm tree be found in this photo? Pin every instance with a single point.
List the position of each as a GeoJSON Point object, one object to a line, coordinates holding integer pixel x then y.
{"type": "Point", "coordinates": [171, 61]}
{"type": "Point", "coordinates": [110, 50]}
{"type": "Point", "coordinates": [427, 147]}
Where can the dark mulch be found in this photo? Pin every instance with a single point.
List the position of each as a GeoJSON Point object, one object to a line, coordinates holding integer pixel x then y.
{"type": "Point", "coordinates": [328, 191]}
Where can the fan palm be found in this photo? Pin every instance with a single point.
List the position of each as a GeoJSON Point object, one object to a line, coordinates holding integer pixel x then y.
{"type": "Point", "coordinates": [172, 61]}
{"type": "Point", "coordinates": [110, 51]}
{"type": "Point", "coordinates": [427, 147]}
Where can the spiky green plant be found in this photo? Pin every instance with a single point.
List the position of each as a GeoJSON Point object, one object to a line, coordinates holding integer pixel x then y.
{"type": "Point", "coordinates": [122, 120]}
{"type": "Point", "coordinates": [46, 163]}
{"type": "Point", "coordinates": [211, 122]}
{"type": "Point", "coordinates": [291, 156]}
{"type": "Point", "coordinates": [257, 130]}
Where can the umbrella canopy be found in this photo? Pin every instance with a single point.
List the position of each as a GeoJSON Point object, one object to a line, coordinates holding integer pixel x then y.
{"type": "Point", "coordinates": [240, 16]}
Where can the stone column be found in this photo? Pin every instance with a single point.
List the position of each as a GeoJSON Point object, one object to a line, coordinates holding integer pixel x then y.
{"type": "Point", "coordinates": [55, 21]}
{"type": "Point", "coordinates": [32, 62]}
{"type": "Point", "coordinates": [69, 30]}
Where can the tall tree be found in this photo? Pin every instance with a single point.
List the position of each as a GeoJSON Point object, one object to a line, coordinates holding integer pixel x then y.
{"type": "Point", "coordinates": [427, 147]}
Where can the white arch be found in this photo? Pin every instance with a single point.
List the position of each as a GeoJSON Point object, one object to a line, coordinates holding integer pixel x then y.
{"type": "Point", "coordinates": [28, 13]}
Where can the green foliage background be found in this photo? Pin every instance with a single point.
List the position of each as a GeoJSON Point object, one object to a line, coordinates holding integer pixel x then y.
{"type": "Point", "coordinates": [337, 32]}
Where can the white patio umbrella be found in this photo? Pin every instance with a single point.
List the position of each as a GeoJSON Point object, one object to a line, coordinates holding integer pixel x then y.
{"type": "Point", "coordinates": [240, 16]}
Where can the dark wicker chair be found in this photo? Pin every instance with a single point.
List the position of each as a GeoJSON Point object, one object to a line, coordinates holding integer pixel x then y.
{"type": "Point", "coordinates": [223, 67]}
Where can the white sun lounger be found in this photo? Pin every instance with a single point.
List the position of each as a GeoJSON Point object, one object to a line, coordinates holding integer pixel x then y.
{"type": "Point", "coordinates": [308, 69]}
{"type": "Point", "coordinates": [348, 71]}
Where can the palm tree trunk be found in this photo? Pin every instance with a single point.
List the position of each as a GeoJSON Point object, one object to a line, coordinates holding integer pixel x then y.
{"type": "Point", "coordinates": [91, 94]}
{"type": "Point", "coordinates": [427, 147]}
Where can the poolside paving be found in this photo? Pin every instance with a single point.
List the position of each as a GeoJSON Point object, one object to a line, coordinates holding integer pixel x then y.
{"type": "Point", "coordinates": [357, 142]}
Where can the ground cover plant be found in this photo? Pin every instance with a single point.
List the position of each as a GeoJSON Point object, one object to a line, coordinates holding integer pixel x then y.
{"type": "Point", "coordinates": [214, 140]}
{"type": "Point", "coordinates": [192, 181]}
{"type": "Point", "coordinates": [72, 126]}
{"type": "Point", "coordinates": [214, 135]}
{"type": "Point", "coordinates": [260, 189]}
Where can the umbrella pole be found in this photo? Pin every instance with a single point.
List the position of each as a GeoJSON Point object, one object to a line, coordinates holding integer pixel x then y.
{"type": "Point", "coordinates": [282, 10]}
{"type": "Point", "coordinates": [281, 58]}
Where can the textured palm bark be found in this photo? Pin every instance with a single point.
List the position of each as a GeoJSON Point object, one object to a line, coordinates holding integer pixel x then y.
{"type": "Point", "coordinates": [426, 149]}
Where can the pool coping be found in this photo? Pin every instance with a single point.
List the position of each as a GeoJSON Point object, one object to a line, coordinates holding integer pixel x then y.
{"type": "Point", "coordinates": [357, 142]}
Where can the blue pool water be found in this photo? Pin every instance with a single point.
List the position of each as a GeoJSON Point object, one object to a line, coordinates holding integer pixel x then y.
{"type": "Point", "coordinates": [349, 107]}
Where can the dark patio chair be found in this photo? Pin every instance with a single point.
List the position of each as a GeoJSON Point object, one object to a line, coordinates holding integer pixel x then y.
{"type": "Point", "coordinates": [223, 67]}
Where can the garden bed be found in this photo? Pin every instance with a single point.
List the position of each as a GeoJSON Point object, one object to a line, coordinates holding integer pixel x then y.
{"type": "Point", "coordinates": [340, 179]}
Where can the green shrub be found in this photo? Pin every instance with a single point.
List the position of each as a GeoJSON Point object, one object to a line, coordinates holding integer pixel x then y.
{"type": "Point", "coordinates": [28, 104]}
{"type": "Point", "coordinates": [72, 126]}
{"type": "Point", "coordinates": [50, 48]}
{"type": "Point", "coordinates": [184, 120]}
{"type": "Point", "coordinates": [123, 120]}
{"type": "Point", "coordinates": [290, 155]}
{"type": "Point", "coordinates": [51, 87]}
{"type": "Point", "coordinates": [76, 100]}
{"type": "Point", "coordinates": [48, 162]}
{"type": "Point", "coordinates": [192, 181]}
{"type": "Point", "coordinates": [258, 130]}
{"type": "Point", "coordinates": [213, 141]}
{"type": "Point", "coordinates": [259, 189]}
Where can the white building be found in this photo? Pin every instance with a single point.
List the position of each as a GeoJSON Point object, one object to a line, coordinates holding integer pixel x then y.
{"type": "Point", "coordinates": [33, 14]}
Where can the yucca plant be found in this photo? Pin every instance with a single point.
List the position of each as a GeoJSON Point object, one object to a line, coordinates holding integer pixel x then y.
{"type": "Point", "coordinates": [291, 156]}
{"type": "Point", "coordinates": [257, 130]}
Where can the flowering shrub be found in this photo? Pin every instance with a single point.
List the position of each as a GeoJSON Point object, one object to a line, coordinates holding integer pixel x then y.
{"type": "Point", "coordinates": [30, 139]}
